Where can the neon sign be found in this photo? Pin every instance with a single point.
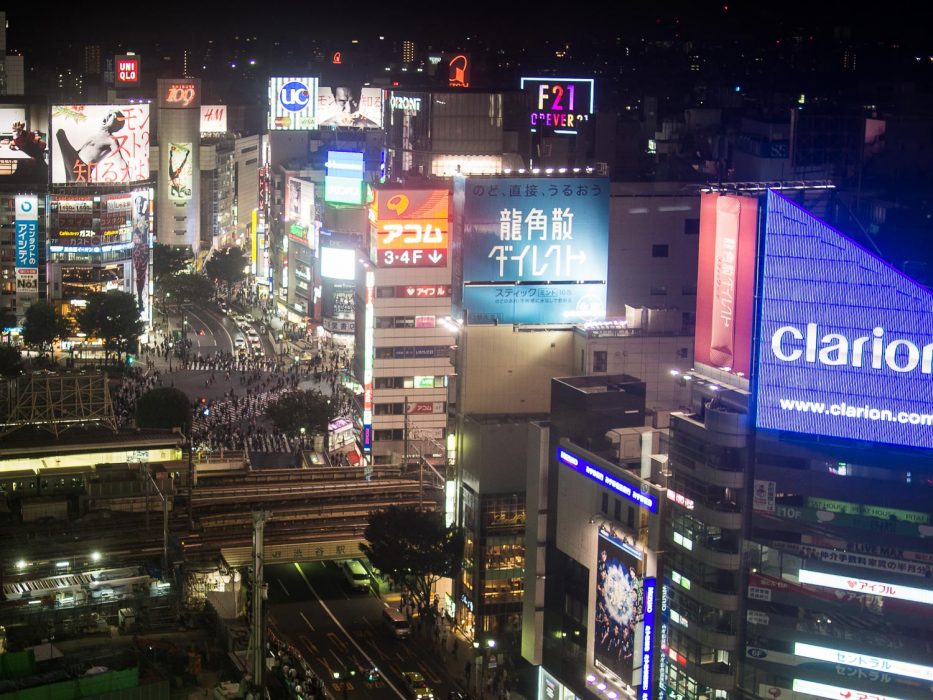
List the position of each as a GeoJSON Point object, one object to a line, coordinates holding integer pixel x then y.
{"type": "Point", "coordinates": [831, 691]}
{"type": "Point", "coordinates": [860, 585]}
{"type": "Point", "coordinates": [647, 638]}
{"type": "Point", "coordinates": [181, 94]}
{"type": "Point", "coordinates": [562, 104]}
{"type": "Point", "coordinates": [600, 476]}
{"type": "Point", "coordinates": [874, 663]}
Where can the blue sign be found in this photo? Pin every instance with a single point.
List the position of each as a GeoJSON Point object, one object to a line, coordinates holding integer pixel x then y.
{"type": "Point", "coordinates": [26, 227]}
{"type": "Point", "coordinates": [610, 481]}
{"type": "Point", "coordinates": [343, 181]}
{"type": "Point", "coordinates": [524, 239]}
{"type": "Point", "coordinates": [294, 96]}
{"type": "Point", "coordinates": [647, 638]}
{"type": "Point", "coordinates": [845, 340]}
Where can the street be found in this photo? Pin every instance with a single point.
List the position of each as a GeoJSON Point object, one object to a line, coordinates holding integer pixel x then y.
{"type": "Point", "coordinates": [311, 606]}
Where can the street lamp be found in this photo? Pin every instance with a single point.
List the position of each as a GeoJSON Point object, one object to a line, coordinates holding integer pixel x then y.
{"type": "Point", "coordinates": [95, 557]}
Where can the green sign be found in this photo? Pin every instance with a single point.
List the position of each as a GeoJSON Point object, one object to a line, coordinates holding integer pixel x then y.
{"type": "Point", "coordinates": [907, 516]}
{"type": "Point", "coordinates": [424, 382]}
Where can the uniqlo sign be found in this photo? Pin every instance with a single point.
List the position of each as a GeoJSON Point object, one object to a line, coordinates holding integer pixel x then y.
{"type": "Point", "coordinates": [126, 70]}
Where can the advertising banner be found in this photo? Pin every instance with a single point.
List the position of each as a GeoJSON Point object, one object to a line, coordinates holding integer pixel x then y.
{"type": "Point", "coordinates": [213, 119]}
{"type": "Point", "coordinates": [299, 211]}
{"type": "Point", "coordinates": [23, 144]}
{"type": "Point", "coordinates": [349, 106]}
{"type": "Point", "coordinates": [726, 281]}
{"type": "Point", "coordinates": [26, 227]}
{"type": "Point", "coordinates": [27, 231]}
{"type": "Point", "coordinates": [561, 105]}
{"type": "Point", "coordinates": [619, 607]}
{"type": "Point", "coordinates": [141, 217]}
{"type": "Point", "coordinates": [343, 182]}
{"type": "Point", "coordinates": [292, 104]}
{"type": "Point", "coordinates": [179, 172]}
{"type": "Point", "coordinates": [106, 144]}
{"type": "Point", "coordinates": [410, 228]}
{"type": "Point", "coordinates": [535, 250]}
{"type": "Point", "coordinates": [338, 263]}
{"type": "Point", "coordinates": [846, 340]}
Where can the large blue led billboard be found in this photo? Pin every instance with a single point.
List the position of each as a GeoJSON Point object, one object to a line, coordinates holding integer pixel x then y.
{"type": "Point", "coordinates": [845, 340]}
{"type": "Point", "coordinates": [535, 250]}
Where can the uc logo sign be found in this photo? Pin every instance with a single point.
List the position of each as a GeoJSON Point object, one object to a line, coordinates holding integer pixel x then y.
{"type": "Point", "coordinates": [294, 96]}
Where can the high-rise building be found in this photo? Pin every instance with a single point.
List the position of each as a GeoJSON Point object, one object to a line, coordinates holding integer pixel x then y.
{"type": "Point", "coordinates": [408, 51]}
{"type": "Point", "coordinates": [92, 59]}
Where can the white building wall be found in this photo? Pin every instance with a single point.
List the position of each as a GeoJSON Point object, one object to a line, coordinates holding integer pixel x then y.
{"type": "Point", "coordinates": [641, 216]}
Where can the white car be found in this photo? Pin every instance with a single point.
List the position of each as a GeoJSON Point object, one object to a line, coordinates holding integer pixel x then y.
{"type": "Point", "coordinates": [239, 342]}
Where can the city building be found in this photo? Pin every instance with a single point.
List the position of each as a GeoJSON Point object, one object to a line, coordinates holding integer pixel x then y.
{"type": "Point", "coordinates": [402, 351]}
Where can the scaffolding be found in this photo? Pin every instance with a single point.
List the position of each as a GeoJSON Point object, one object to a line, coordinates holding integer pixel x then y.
{"type": "Point", "coordinates": [56, 402]}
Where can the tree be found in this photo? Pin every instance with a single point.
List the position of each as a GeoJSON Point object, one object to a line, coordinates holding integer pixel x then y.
{"type": "Point", "coordinates": [414, 548]}
{"type": "Point", "coordinates": [43, 325]}
{"type": "Point", "coordinates": [8, 322]}
{"type": "Point", "coordinates": [186, 288]}
{"type": "Point", "coordinates": [297, 410]}
{"type": "Point", "coordinates": [114, 318]}
{"type": "Point", "coordinates": [11, 361]}
{"type": "Point", "coordinates": [227, 265]}
{"type": "Point", "coordinates": [164, 408]}
{"type": "Point", "coordinates": [168, 260]}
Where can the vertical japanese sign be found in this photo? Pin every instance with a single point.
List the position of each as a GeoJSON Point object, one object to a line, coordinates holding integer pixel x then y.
{"type": "Point", "coordinates": [27, 247]}
{"type": "Point", "coordinates": [726, 281]}
{"type": "Point", "coordinates": [369, 351]}
{"type": "Point", "coordinates": [535, 250]}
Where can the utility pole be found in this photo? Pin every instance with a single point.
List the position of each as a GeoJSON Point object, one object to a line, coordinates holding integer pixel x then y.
{"type": "Point", "coordinates": [257, 635]}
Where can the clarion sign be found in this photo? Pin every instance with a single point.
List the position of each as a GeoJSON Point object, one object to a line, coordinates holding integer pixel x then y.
{"type": "Point", "coordinates": [845, 341]}
{"type": "Point", "coordinates": [834, 349]}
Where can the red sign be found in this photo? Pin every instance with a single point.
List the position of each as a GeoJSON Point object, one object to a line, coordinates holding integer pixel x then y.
{"type": "Point", "coordinates": [726, 281]}
{"type": "Point", "coordinates": [459, 71]}
{"type": "Point", "coordinates": [336, 60]}
{"type": "Point", "coordinates": [422, 292]}
{"type": "Point", "coordinates": [413, 257]}
{"type": "Point", "coordinates": [425, 407]}
{"type": "Point", "coordinates": [126, 70]}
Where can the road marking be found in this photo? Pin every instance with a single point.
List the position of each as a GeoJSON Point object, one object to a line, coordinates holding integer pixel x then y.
{"type": "Point", "coordinates": [307, 622]}
{"type": "Point", "coordinates": [342, 629]}
{"type": "Point", "coordinates": [308, 643]}
{"type": "Point", "coordinates": [368, 623]}
{"type": "Point", "coordinates": [429, 674]}
{"type": "Point", "coordinates": [287, 593]}
{"type": "Point", "coordinates": [337, 641]}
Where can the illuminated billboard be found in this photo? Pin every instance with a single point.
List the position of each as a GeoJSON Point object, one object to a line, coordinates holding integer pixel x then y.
{"type": "Point", "coordinates": [867, 661]}
{"type": "Point", "coordinates": [179, 93]}
{"type": "Point", "coordinates": [867, 586]}
{"type": "Point", "coordinates": [458, 70]}
{"type": "Point", "coordinates": [349, 106]}
{"type": "Point", "coordinates": [535, 250]}
{"type": "Point", "coordinates": [141, 222]}
{"type": "Point", "coordinates": [601, 476]}
{"type": "Point", "coordinates": [410, 227]}
{"type": "Point", "coordinates": [105, 144]}
{"type": "Point", "coordinates": [343, 181]}
{"type": "Point", "coordinates": [726, 281]}
{"type": "Point", "coordinates": [213, 119]}
{"type": "Point", "coordinates": [126, 70]}
{"type": "Point", "coordinates": [179, 172]}
{"type": "Point", "coordinates": [338, 263]}
{"type": "Point", "coordinates": [620, 608]}
{"type": "Point", "coordinates": [299, 211]}
{"type": "Point", "coordinates": [845, 340]}
{"type": "Point", "coordinates": [292, 104]}
{"type": "Point", "coordinates": [26, 239]}
{"type": "Point", "coordinates": [561, 105]}
{"type": "Point", "coordinates": [23, 143]}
